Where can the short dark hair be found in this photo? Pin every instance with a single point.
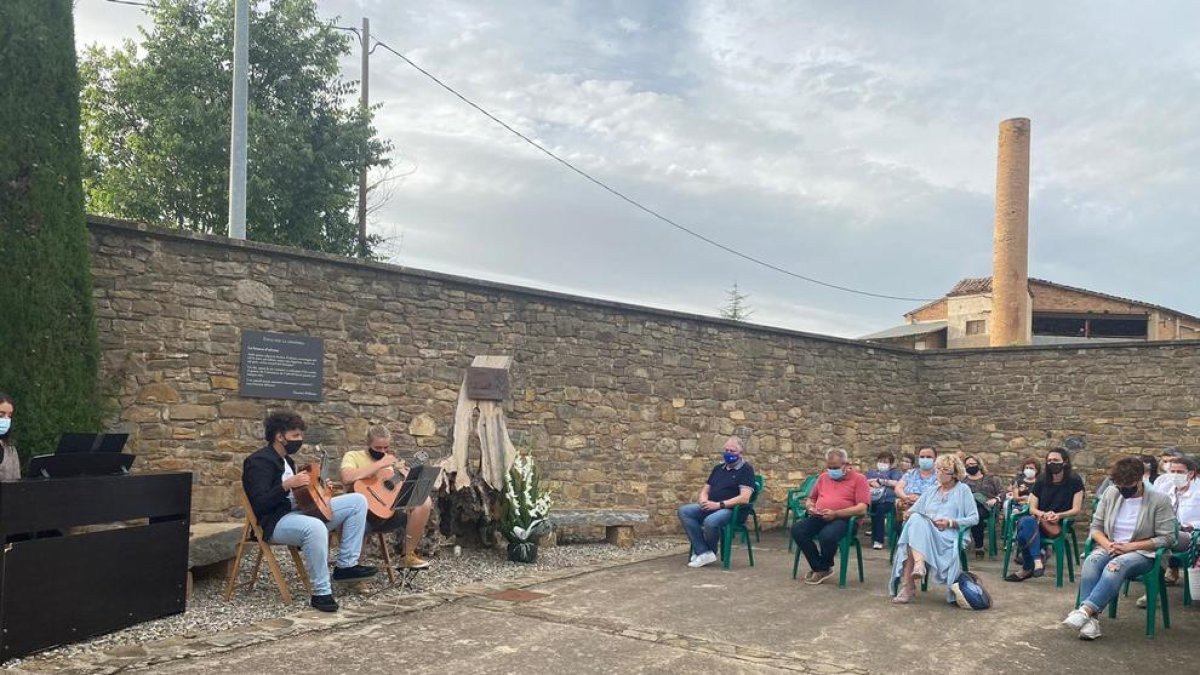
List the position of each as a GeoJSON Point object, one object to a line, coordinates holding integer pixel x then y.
{"type": "Point", "coordinates": [886, 454]}
{"type": "Point", "coordinates": [1171, 452]}
{"type": "Point", "coordinates": [926, 446]}
{"type": "Point", "coordinates": [1187, 462]}
{"type": "Point", "coordinates": [909, 457]}
{"type": "Point", "coordinates": [1032, 460]}
{"type": "Point", "coordinates": [1127, 470]}
{"type": "Point", "coordinates": [1152, 461]}
{"type": "Point", "coordinates": [5, 398]}
{"type": "Point", "coordinates": [281, 422]}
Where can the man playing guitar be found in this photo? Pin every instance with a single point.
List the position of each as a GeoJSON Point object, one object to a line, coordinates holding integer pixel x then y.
{"type": "Point", "coordinates": [269, 476]}
{"type": "Point", "coordinates": [378, 461]}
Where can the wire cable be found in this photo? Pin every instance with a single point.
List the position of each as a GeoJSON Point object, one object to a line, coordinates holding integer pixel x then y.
{"type": "Point", "coordinates": [631, 201]}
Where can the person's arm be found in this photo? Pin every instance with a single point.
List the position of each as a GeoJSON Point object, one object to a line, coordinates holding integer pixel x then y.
{"type": "Point", "coordinates": [1096, 529]}
{"type": "Point", "coordinates": [703, 497]}
{"type": "Point", "coordinates": [900, 493]}
{"type": "Point", "coordinates": [744, 495]}
{"type": "Point", "coordinates": [263, 485]}
{"type": "Point", "coordinates": [351, 474]}
{"type": "Point", "coordinates": [968, 514]}
{"type": "Point", "coordinates": [1033, 507]}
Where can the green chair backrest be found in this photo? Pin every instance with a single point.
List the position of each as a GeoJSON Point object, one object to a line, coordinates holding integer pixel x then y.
{"type": "Point", "coordinates": [758, 488]}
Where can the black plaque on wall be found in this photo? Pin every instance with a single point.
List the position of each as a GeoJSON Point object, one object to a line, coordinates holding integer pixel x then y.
{"type": "Point", "coordinates": [276, 365]}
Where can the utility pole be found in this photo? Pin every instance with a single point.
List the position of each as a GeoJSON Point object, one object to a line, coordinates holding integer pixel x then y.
{"type": "Point", "coordinates": [366, 103]}
{"type": "Point", "coordinates": [237, 137]}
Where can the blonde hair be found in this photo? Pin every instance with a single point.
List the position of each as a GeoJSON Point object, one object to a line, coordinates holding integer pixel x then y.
{"type": "Point", "coordinates": [951, 461]}
{"type": "Point", "coordinates": [378, 433]}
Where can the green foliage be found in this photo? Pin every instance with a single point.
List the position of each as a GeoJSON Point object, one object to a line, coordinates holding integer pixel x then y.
{"type": "Point", "coordinates": [737, 308]}
{"type": "Point", "coordinates": [525, 503]}
{"type": "Point", "coordinates": [50, 358]}
{"type": "Point", "coordinates": [156, 121]}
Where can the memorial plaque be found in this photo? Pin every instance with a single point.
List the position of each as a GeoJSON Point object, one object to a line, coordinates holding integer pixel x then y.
{"type": "Point", "coordinates": [277, 365]}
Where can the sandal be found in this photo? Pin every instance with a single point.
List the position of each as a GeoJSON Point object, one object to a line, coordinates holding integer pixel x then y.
{"type": "Point", "coordinates": [918, 571]}
{"type": "Point", "coordinates": [904, 597]}
{"type": "Point", "coordinates": [1017, 577]}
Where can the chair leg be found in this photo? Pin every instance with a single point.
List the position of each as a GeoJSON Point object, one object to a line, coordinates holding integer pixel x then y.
{"type": "Point", "coordinates": [256, 568]}
{"type": "Point", "coordinates": [796, 563]}
{"type": "Point", "coordinates": [757, 529]}
{"type": "Point", "coordinates": [233, 569]}
{"type": "Point", "coordinates": [844, 560]}
{"type": "Point", "coordinates": [749, 547]}
{"type": "Point", "coordinates": [1151, 602]}
{"type": "Point", "coordinates": [1008, 541]}
{"type": "Point", "coordinates": [858, 552]}
{"type": "Point", "coordinates": [726, 546]}
{"type": "Point", "coordinates": [298, 561]}
{"type": "Point", "coordinates": [277, 574]}
{"type": "Point", "coordinates": [387, 558]}
{"type": "Point", "coordinates": [1059, 544]}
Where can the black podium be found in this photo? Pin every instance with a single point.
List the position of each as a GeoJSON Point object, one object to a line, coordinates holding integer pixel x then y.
{"type": "Point", "coordinates": [62, 581]}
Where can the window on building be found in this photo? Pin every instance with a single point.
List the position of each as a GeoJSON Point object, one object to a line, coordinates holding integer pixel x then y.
{"type": "Point", "coordinates": [976, 327]}
{"type": "Point", "coordinates": [1084, 326]}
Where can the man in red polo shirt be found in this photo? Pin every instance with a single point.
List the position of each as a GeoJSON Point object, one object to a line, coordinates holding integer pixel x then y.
{"type": "Point", "coordinates": [840, 492]}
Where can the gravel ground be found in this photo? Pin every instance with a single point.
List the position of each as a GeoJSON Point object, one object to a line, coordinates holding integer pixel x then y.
{"type": "Point", "coordinates": [208, 612]}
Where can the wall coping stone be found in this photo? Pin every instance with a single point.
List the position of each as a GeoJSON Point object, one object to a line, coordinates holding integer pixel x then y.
{"type": "Point", "coordinates": [102, 223]}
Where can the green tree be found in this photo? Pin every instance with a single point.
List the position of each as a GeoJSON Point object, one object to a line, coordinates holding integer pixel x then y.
{"type": "Point", "coordinates": [736, 308]}
{"type": "Point", "coordinates": [50, 358]}
{"type": "Point", "coordinates": [156, 125]}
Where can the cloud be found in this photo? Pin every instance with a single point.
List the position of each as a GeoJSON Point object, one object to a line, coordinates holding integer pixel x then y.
{"type": "Point", "coordinates": [852, 142]}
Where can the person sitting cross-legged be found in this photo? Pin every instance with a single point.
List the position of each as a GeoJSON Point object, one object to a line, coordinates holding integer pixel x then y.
{"type": "Point", "coordinates": [840, 492]}
{"type": "Point", "coordinates": [929, 542]}
{"type": "Point", "coordinates": [1130, 522]}
{"type": "Point", "coordinates": [730, 483]}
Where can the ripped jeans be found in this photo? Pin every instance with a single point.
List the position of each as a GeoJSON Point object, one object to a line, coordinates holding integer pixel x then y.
{"type": "Point", "coordinates": [1103, 574]}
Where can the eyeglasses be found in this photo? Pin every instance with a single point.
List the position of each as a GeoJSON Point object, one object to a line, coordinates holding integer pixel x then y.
{"type": "Point", "coordinates": [946, 472]}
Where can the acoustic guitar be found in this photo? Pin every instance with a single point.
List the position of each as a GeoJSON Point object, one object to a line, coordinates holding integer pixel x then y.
{"type": "Point", "coordinates": [314, 499]}
{"type": "Point", "coordinates": [381, 493]}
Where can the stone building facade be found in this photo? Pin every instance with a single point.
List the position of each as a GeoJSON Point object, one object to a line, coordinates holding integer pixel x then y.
{"type": "Point", "coordinates": [621, 405]}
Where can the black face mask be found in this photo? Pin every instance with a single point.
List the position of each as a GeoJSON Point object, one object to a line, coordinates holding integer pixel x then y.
{"type": "Point", "coordinates": [1128, 492]}
{"type": "Point", "coordinates": [292, 447]}
{"type": "Point", "coordinates": [972, 470]}
{"type": "Point", "coordinates": [1054, 467]}
{"type": "Point", "coordinates": [375, 454]}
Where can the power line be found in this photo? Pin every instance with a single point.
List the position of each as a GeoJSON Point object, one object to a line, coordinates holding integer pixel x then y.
{"type": "Point", "coordinates": [631, 201]}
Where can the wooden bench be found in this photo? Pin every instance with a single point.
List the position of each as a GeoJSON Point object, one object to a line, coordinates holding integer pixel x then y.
{"type": "Point", "coordinates": [617, 523]}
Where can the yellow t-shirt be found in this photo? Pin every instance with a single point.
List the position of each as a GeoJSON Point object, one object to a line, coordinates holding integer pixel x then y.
{"type": "Point", "coordinates": [361, 459]}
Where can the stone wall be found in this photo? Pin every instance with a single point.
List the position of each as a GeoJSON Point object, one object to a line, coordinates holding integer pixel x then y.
{"type": "Point", "coordinates": [1011, 403]}
{"type": "Point", "coordinates": [622, 405]}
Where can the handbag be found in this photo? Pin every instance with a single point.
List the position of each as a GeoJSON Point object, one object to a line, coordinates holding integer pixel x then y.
{"type": "Point", "coordinates": [969, 592]}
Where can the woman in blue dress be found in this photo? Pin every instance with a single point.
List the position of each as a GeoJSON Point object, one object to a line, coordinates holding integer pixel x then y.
{"type": "Point", "coordinates": [929, 542]}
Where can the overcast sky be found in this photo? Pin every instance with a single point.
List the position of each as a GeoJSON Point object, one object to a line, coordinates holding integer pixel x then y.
{"type": "Point", "coordinates": [849, 141]}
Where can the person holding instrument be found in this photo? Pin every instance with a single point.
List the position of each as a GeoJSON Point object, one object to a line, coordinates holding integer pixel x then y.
{"type": "Point", "coordinates": [378, 461]}
{"type": "Point", "coordinates": [269, 477]}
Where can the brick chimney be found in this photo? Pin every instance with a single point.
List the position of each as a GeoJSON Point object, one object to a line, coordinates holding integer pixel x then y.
{"type": "Point", "coordinates": [1011, 313]}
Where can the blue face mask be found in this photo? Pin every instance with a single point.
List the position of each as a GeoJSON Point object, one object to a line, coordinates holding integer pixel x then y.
{"type": "Point", "coordinates": [730, 457]}
{"type": "Point", "coordinates": [837, 474]}
{"type": "Point", "coordinates": [5, 424]}
{"type": "Point", "coordinates": [925, 463]}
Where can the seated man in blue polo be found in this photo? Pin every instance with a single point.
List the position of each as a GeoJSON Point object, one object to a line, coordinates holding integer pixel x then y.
{"type": "Point", "coordinates": [730, 483]}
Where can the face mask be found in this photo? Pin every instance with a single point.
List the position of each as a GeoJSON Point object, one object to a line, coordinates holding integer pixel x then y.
{"type": "Point", "coordinates": [1180, 479]}
{"type": "Point", "coordinates": [1030, 473]}
{"type": "Point", "coordinates": [837, 474]}
{"type": "Point", "coordinates": [375, 454]}
{"type": "Point", "coordinates": [5, 425]}
{"type": "Point", "coordinates": [972, 470]}
{"type": "Point", "coordinates": [1128, 492]}
{"type": "Point", "coordinates": [883, 466]}
{"type": "Point", "coordinates": [730, 457]}
{"type": "Point", "coordinates": [292, 447]}
{"type": "Point", "coordinates": [1054, 467]}
{"type": "Point", "coordinates": [926, 463]}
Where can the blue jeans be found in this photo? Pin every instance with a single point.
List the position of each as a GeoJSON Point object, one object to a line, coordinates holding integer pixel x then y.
{"type": "Point", "coordinates": [1029, 541]}
{"type": "Point", "coordinates": [703, 528]}
{"type": "Point", "coordinates": [813, 530]}
{"type": "Point", "coordinates": [312, 536]}
{"type": "Point", "coordinates": [1103, 574]}
{"type": "Point", "coordinates": [879, 511]}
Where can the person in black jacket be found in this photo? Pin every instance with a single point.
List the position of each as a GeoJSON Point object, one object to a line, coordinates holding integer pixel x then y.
{"type": "Point", "coordinates": [268, 477]}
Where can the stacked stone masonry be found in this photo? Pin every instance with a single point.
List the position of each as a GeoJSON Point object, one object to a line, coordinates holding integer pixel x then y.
{"type": "Point", "coordinates": [623, 406]}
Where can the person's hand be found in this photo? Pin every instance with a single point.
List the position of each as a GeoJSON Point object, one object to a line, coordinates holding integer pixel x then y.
{"type": "Point", "coordinates": [992, 502]}
{"type": "Point", "coordinates": [1050, 516]}
{"type": "Point", "coordinates": [912, 499]}
{"type": "Point", "coordinates": [386, 461]}
{"type": "Point", "coordinates": [874, 482]}
{"type": "Point", "coordinates": [297, 481]}
{"type": "Point", "coordinates": [707, 505]}
{"type": "Point", "coordinates": [386, 473]}
{"type": "Point", "coordinates": [828, 514]}
{"type": "Point", "coordinates": [329, 485]}
{"type": "Point", "coordinates": [941, 523]}
{"type": "Point", "coordinates": [1186, 528]}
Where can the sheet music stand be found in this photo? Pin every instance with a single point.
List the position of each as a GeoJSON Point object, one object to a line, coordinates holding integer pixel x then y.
{"type": "Point", "coordinates": [415, 489]}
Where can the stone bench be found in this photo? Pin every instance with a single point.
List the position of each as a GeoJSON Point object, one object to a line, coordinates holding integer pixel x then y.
{"type": "Point", "coordinates": [617, 523]}
{"type": "Point", "coordinates": [211, 545]}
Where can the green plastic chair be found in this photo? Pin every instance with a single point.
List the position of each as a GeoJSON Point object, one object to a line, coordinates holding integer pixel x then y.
{"type": "Point", "coordinates": [1156, 591]}
{"type": "Point", "coordinates": [737, 525]}
{"type": "Point", "coordinates": [1065, 545]}
{"type": "Point", "coordinates": [759, 481]}
{"type": "Point", "coordinates": [795, 504]}
{"type": "Point", "coordinates": [1186, 560]}
{"type": "Point", "coordinates": [849, 540]}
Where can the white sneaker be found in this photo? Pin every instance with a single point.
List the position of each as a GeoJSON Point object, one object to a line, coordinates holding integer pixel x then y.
{"type": "Point", "coordinates": [877, 546]}
{"type": "Point", "coordinates": [691, 559]}
{"type": "Point", "coordinates": [703, 559]}
{"type": "Point", "coordinates": [1077, 619]}
{"type": "Point", "coordinates": [1141, 602]}
{"type": "Point", "coordinates": [1090, 630]}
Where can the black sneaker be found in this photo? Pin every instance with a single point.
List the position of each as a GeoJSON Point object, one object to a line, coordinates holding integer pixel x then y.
{"type": "Point", "coordinates": [353, 573]}
{"type": "Point", "coordinates": [324, 603]}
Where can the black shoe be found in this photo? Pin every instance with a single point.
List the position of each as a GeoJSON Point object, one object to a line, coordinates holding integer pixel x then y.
{"type": "Point", "coordinates": [324, 603]}
{"type": "Point", "coordinates": [353, 573]}
{"type": "Point", "coordinates": [1017, 577]}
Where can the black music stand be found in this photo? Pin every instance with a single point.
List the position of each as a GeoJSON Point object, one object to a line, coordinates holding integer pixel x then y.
{"type": "Point", "coordinates": [83, 455]}
{"type": "Point", "coordinates": [415, 489]}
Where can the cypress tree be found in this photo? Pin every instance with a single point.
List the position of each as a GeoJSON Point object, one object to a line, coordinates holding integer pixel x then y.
{"type": "Point", "coordinates": [48, 352]}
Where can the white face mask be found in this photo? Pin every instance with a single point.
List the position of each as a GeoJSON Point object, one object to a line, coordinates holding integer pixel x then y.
{"type": "Point", "coordinates": [883, 466]}
{"type": "Point", "coordinates": [1180, 479]}
{"type": "Point", "coordinates": [1030, 473]}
